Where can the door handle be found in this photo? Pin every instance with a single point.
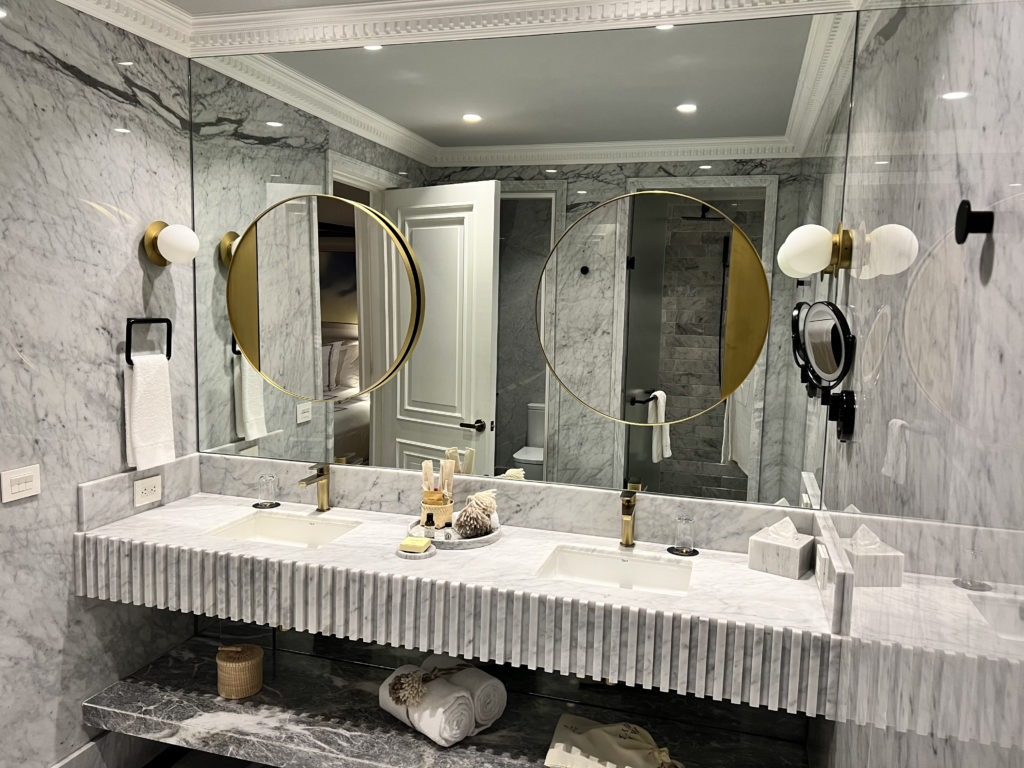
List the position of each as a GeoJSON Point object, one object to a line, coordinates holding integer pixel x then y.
{"type": "Point", "coordinates": [479, 425]}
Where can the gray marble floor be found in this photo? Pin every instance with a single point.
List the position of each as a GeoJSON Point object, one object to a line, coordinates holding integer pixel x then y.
{"type": "Point", "coordinates": [314, 711]}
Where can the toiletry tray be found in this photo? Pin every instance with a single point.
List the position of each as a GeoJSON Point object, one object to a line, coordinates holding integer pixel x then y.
{"type": "Point", "coordinates": [456, 542]}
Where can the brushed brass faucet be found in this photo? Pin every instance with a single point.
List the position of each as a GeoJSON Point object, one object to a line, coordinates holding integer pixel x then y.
{"type": "Point", "coordinates": [628, 499]}
{"type": "Point", "coordinates": [322, 478]}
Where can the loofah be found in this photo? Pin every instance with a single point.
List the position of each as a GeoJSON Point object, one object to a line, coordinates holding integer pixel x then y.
{"type": "Point", "coordinates": [475, 518]}
{"type": "Point", "coordinates": [408, 689]}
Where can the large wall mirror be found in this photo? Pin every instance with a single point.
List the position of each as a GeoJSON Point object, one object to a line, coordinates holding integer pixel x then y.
{"type": "Point", "coordinates": [482, 152]}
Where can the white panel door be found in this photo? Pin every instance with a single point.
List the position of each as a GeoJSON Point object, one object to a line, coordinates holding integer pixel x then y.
{"type": "Point", "coordinates": [450, 379]}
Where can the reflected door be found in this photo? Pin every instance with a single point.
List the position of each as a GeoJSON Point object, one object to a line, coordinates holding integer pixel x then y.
{"type": "Point", "coordinates": [450, 380]}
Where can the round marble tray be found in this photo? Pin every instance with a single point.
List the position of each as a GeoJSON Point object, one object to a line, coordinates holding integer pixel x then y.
{"type": "Point", "coordinates": [455, 542]}
{"type": "Point", "coordinates": [428, 552]}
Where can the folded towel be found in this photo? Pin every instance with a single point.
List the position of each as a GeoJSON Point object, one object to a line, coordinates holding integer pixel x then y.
{"type": "Point", "coordinates": [148, 420]}
{"type": "Point", "coordinates": [444, 715]}
{"type": "Point", "coordinates": [661, 445]}
{"type": "Point", "coordinates": [489, 696]}
{"type": "Point", "coordinates": [250, 422]}
{"type": "Point", "coordinates": [582, 743]}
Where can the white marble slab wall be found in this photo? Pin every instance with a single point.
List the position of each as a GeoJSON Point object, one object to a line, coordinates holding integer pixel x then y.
{"type": "Point", "coordinates": [939, 419]}
{"type": "Point", "coordinates": [113, 498]}
{"type": "Point", "coordinates": [799, 202]}
{"type": "Point", "coordinates": [723, 525]}
{"type": "Point", "coordinates": [77, 198]}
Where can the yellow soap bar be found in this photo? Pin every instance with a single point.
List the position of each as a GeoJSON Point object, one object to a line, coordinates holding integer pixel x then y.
{"type": "Point", "coordinates": [414, 544]}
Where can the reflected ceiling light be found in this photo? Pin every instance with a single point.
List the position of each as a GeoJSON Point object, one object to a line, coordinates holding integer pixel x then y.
{"type": "Point", "coordinates": [552, 170]}
{"type": "Point", "coordinates": [3, 13]}
{"type": "Point", "coordinates": [1016, 184]}
{"type": "Point", "coordinates": [686, 108]}
{"type": "Point", "coordinates": [403, 173]}
{"type": "Point", "coordinates": [704, 167]}
{"type": "Point", "coordinates": [275, 175]}
{"type": "Point", "coordinates": [581, 191]}
{"type": "Point", "coordinates": [469, 117]}
{"type": "Point", "coordinates": [955, 95]}
{"type": "Point", "coordinates": [125, 63]}
{"type": "Point", "coordinates": [372, 47]}
{"type": "Point", "coordinates": [122, 130]}
{"type": "Point", "coordinates": [274, 124]}
{"type": "Point", "coordinates": [881, 162]}
{"type": "Point", "coordinates": [665, 26]}
{"type": "Point", "coordinates": [170, 244]}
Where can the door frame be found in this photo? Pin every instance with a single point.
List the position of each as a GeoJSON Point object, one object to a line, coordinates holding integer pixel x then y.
{"type": "Point", "coordinates": [770, 185]}
{"type": "Point", "coordinates": [555, 191]}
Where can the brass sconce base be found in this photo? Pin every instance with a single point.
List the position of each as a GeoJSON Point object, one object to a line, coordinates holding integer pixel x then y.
{"type": "Point", "coordinates": [225, 248]}
{"type": "Point", "coordinates": [842, 252]}
{"type": "Point", "coordinates": [149, 243]}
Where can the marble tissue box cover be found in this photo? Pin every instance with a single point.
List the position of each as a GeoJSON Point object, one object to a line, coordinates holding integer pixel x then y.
{"type": "Point", "coordinates": [780, 549]}
{"type": "Point", "coordinates": [875, 563]}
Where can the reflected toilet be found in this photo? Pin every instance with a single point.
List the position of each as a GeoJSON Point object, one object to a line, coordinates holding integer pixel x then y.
{"type": "Point", "coordinates": [530, 457]}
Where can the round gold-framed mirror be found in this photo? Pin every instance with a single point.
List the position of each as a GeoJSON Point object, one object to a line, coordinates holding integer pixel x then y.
{"type": "Point", "coordinates": [315, 297]}
{"type": "Point", "coordinates": [581, 285]}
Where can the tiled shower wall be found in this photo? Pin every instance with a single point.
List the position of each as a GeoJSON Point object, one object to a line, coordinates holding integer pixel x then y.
{"type": "Point", "coordinates": [77, 198]}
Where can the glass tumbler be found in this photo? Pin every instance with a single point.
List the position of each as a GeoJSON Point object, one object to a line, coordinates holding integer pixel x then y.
{"type": "Point", "coordinates": [267, 492]}
{"type": "Point", "coordinates": [684, 537]}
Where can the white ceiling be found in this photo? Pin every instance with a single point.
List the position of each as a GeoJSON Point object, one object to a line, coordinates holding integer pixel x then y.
{"type": "Point", "coordinates": [209, 7]}
{"type": "Point", "coordinates": [617, 85]}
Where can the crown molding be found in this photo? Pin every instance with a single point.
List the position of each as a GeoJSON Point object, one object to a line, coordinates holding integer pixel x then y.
{"type": "Point", "coordinates": [154, 20]}
{"type": "Point", "coordinates": [275, 79]}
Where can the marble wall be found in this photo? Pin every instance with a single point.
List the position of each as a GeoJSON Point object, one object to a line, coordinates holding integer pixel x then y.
{"type": "Point", "coordinates": [938, 384]}
{"type": "Point", "coordinates": [524, 244]}
{"type": "Point", "coordinates": [78, 196]}
{"type": "Point", "coordinates": [803, 184]}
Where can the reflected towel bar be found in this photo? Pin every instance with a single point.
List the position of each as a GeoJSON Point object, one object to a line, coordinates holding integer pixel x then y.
{"type": "Point", "coordinates": [634, 401]}
{"type": "Point", "coordinates": [132, 322]}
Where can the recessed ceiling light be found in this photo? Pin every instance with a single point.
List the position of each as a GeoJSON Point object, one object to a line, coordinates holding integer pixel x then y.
{"type": "Point", "coordinates": [704, 167]}
{"type": "Point", "coordinates": [275, 175]}
{"type": "Point", "coordinates": [881, 162]}
{"type": "Point", "coordinates": [954, 95]}
{"type": "Point", "coordinates": [550, 170]}
{"type": "Point", "coordinates": [403, 173]}
{"type": "Point", "coordinates": [581, 191]}
{"type": "Point", "coordinates": [274, 124]}
{"type": "Point", "coordinates": [686, 108]}
{"type": "Point", "coordinates": [665, 26]}
{"type": "Point", "coordinates": [121, 130]}
{"type": "Point", "coordinates": [1016, 184]}
{"type": "Point", "coordinates": [372, 47]}
{"type": "Point", "coordinates": [125, 63]}
{"type": "Point", "coordinates": [469, 117]}
{"type": "Point", "coordinates": [3, 13]}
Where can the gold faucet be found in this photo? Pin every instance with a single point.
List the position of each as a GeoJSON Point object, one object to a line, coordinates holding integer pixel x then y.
{"type": "Point", "coordinates": [628, 508]}
{"type": "Point", "coordinates": [322, 478]}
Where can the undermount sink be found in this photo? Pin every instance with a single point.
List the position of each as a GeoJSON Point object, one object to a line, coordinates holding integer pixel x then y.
{"type": "Point", "coordinates": [1004, 613]}
{"type": "Point", "coordinates": [614, 568]}
{"type": "Point", "coordinates": [284, 528]}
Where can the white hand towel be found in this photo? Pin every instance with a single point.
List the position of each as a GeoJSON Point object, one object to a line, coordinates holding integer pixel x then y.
{"type": "Point", "coordinates": [661, 445]}
{"type": "Point", "coordinates": [250, 422]}
{"type": "Point", "coordinates": [488, 692]}
{"type": "Point", "coordinates": [445, 715]}
{"type": "Point", "coordinates": [148, 420]}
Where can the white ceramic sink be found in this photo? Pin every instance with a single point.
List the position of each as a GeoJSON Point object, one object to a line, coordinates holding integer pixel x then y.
{"type": "Point", "coordinates": [616, 568]}
{"type": "Point", "coordinates": [288, 529]}
{"type": "Point", "coordinates": [1004, 613]}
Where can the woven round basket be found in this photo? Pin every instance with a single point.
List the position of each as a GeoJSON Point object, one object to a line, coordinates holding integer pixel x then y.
{"type": "Point", "coordinates": [239, 671]}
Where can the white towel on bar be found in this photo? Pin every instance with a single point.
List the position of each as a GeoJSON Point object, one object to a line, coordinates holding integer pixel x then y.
{"type": "Point", "coordinates": [148, 419]}
{"type": "Point", "coordinates": [445, 715]}
{"type": "Point", "coordinates": [661, 444]}
{"type": "Point", "coordinates": [250, 422]}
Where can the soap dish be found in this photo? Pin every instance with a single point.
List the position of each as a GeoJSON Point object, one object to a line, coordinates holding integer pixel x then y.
{"type": "Point", "coordinates": [424, 555]}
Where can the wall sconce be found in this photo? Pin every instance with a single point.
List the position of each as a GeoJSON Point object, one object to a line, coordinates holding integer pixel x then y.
{"type": "Point", "coordinates": [813, 248]}
{"type": "Point", "coordinates": [170, 243]}
{"type": "Point", "coordinates": [227, 247]}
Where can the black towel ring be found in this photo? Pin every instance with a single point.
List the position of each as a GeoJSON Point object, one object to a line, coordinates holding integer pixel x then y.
{"type": "Point", "coordinates": [132, 322]}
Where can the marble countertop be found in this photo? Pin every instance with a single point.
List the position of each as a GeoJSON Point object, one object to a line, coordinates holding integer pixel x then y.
{"type": "Point", "coordinates": [721, 586]}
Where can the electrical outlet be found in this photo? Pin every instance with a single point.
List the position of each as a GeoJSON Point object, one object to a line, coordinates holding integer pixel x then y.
{"type": "Point", "coordinates": [148, 490]}
{"type": "Point", "coordinates": [303, 413]}
{"type": "Point", "coordinates": [19, 483]}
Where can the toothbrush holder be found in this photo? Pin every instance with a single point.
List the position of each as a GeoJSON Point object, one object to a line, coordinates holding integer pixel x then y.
{"type": "Point", "coordinates": [442, 513]}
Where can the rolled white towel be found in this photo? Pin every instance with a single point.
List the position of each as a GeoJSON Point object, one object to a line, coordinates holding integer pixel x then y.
{"type": "Point", "coordinates": [444, 715]}
{"type": "Point", "coordinates": [489, 696]}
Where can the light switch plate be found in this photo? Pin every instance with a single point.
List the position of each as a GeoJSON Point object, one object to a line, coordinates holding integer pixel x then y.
{"type": "Point", "coordinates": [303, 413]}
{"type": "Point", "coordinates": [148, 490]}
{"type": "Point", "coordinates": [19, 483]}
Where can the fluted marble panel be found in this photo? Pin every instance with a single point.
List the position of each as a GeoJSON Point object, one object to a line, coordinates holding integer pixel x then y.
{"type": "Point", "coordinates": [77, 197]}
{"type": "Point", "coordinates": [720, 640]}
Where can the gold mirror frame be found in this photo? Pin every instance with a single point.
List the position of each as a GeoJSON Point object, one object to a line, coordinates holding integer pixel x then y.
{"type": "Point", "coordinates": [243, 285]}
{"type": "Point", "coordinates": [747, 286]}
